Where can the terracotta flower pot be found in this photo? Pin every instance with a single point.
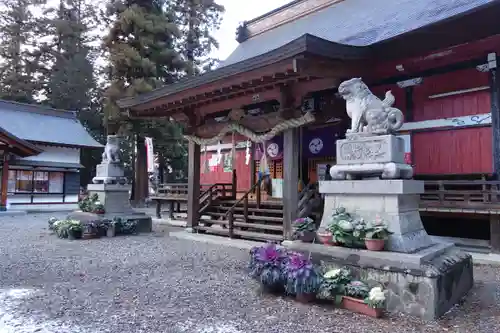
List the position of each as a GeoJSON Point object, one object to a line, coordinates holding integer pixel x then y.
{"type": "Point", "coordinates": [326, 238]}
{"type": "Point", "coordinates": [375, 244]}
{"type": "Point", "coordinates": [305, 298]}
{"type": "Point", "coordinates": [359, 306]}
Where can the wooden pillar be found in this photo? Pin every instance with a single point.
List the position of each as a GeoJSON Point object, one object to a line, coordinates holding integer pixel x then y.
{"type": "Point", "coordinates": [290, 179]}
{"type": "Point", "coordinates": [234, 182]}
{"type": "Point", "coordinates": [193, 185]}
{"type": "Point", "coordinates": [495, 112]}
{"type": "Point", "coordinates": [5, 180]}
{"type": "Point", "coordinates": [495, 233]}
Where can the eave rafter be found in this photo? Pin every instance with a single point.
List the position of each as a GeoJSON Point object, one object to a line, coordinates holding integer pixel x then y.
{"type": "Point", "coordinates": [239, 89]}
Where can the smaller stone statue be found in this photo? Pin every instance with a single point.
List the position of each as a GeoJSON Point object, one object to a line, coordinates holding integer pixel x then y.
{"type": "Point", "coordinates": [111, 152]}
{"type": "Point", "coordinates": [369, 114]}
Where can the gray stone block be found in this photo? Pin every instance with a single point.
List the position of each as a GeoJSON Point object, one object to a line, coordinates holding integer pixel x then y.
{"type": "Point", "coordinates": [426, 284]}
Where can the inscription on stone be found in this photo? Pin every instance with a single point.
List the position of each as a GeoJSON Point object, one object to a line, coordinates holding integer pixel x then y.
{"type": "Point", "coordinates": [374, 150]}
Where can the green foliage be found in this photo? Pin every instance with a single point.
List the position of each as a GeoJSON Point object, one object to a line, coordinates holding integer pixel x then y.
{"type": "Point", "coordinates": [334, 283]}
{"type": "Point", "coordinates": [377, 230]}
{"type": "Point", "coordinates": [357, 289]}
{"type": "Point", "coordinates": [67, 228]}
{"type": "Point", "coordinates": [197, 19]}
{"type": "Point", "coordinates": [18, 65]}
{"type": "Point", "coordinates": [91, 204]}
{"type": "Point", "coordinates": [346, 230]}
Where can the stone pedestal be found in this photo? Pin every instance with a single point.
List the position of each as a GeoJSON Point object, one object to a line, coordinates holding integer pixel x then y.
{"type": "Point", "coordinates": [394, 201]}
{"type": "Point", "coordinates": [115, 199]}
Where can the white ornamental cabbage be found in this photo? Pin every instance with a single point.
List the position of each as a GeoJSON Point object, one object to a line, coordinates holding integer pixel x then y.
{"type": "Point", "coordinates": [376, 295]}
{"type": "Point", "coordinates": [345, 225]}
{"type": "Point", "coordinates": [331, 274]}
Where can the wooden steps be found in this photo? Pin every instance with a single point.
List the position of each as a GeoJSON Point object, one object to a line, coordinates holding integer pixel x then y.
{"type": "Point", "coordinates": [264, 223]}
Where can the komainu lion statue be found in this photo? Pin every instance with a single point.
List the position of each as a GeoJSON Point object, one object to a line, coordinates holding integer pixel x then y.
{"type": "Point", "coordinates": [111, 150]}
{"type": "Point", "coordinates": [368, 113]}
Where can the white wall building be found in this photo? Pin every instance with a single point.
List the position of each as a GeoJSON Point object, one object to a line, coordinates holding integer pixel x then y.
{"type": "Point", "coordinates": [49, 181]}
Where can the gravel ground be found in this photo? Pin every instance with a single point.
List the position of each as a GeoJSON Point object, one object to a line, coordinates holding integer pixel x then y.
{"type": "Point", "coordinates": [153, 283]}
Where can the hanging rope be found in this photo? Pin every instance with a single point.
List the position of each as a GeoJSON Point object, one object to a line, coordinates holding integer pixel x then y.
{"type": "Point", "coordinates": [287, 124]}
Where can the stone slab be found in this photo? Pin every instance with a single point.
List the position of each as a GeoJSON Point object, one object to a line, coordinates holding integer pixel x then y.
{"type": "Point", "coordinates": [217, 240]}
{"type": "Point", "coordinates": [427, 290]}
{"type": "Point", "coordinates": [371, 186]}
{"type": "Point", "coordinates": [402, 261]}
{"type": "Point", "coordinates": [370, 149]}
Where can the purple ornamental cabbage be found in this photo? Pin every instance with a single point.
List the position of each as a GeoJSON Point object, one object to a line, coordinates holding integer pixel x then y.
{"type": "Point", "coordinates": [298, 266]}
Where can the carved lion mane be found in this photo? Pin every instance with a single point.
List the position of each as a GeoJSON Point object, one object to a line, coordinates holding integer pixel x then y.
{"type": "Point", "coordinates": [369, 113]}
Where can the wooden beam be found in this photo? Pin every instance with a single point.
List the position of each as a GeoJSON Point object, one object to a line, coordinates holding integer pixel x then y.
{"type": "Point", "coordinates": [495, 113]}
{"type": "Point", "coordinates": [290, 179]}
{"type": "Point", "coordinates": [193, 185]}
{"type": "Point", "coordinates": [5, 181]}
{"type": "Point", "coordinates": [284, 66]}
{"type": "Point", "coordinates": [495, 233]}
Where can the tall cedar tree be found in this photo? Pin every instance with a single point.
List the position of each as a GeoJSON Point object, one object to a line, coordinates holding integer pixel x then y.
{"type": "Point", "coordinates": [69, 82]}
{"type": "Point", "coordinates": [197, 19]}
{"type": "Point", "coordinates": [142, 57]}
{"type": "Point", "coordinates": [18, 66]}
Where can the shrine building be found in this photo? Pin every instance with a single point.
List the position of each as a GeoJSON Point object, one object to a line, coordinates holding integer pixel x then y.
{"type": "Point", "coordinates": [40, 152]}
{"type": "Point", "coordinates": [274, 101]}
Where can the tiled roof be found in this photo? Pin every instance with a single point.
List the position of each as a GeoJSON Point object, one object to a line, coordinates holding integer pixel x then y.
{"type": "Point", "coordinates": [40, 124]}
{"type": "Point", "coordinates": [356, 22]}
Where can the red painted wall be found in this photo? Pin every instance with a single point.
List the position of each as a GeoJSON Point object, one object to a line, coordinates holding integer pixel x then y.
{"type": "Point", "coordinates": [453, 151]}
{"type": "Point", "coordinates": [217, 174]}
{"type": "Point", "coordinates": [451, 106]}
{"type": "Point", "coordinates": [460, 151]}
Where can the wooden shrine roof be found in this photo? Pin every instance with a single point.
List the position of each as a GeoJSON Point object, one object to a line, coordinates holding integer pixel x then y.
{"type": "Point", "coordinates": [16, 145]}
{"type": "Point", "coordinates": [279, 63]}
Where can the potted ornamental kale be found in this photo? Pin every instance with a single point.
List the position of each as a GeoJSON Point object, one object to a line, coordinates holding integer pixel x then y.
{"type": "Point", "coordinates": [304, 229]}
{"type": "Point", "coordinates": [346, 230]}
{"type": "Point", "coordinates": [302, 279]}
{"type": "Point", "coordinates": [376, 234]}
{"type": "Point", "coordinates": [376, 302]}
{"type": "Point", "coordinates": [267, 266]}
{"type": "Point", "coordinates": [334, 283]}
{"type": "Point", "coordinates": [359, 298]}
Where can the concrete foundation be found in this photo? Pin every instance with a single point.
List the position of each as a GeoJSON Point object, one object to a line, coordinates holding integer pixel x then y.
{"type": "Point", "coordinates": [426, 284]}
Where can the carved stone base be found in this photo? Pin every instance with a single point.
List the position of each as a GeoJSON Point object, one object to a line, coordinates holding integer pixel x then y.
{"type": "Point", "coordinates": [109, 173]}
{"type": "Point", "coordinates": [367, 156]}
{"type": "Point", "coordinates": [396, 202]}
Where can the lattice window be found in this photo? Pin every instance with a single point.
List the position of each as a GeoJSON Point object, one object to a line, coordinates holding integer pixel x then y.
{"type": "Point", "coordinates": [278, 169]}
{"type": "Point", "coordinates": [272, 169]}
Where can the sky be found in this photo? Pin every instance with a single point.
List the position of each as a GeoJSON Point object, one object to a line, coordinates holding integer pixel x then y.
{"type": "Point", "coordinates": [238, 11]}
